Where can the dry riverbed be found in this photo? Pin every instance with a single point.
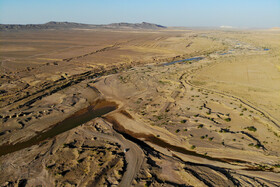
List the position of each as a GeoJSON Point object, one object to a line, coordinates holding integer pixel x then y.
{"type": "Point", "coordinates": [143, 125]}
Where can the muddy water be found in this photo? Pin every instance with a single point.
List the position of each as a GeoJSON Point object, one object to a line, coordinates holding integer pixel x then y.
{"type": "Point", "coordinates": [184, 60]}
{"type": "Point", "coordinates": [162, 143]}
{"type": "Point", "coordinates": [96, 110]}
{"type": "Point", "coordinates": [157, 141]}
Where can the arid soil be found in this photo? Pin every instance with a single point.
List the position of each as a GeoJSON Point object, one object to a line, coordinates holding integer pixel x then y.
{"type": "Point", "coordinates": [106, 108]}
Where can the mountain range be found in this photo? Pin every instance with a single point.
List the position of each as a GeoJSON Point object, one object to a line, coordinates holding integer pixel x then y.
{"type": "Point", "coordinates": [72, 25]}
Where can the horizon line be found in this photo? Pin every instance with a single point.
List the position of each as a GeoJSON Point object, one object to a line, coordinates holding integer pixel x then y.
{"type": "Point", "coordinates": [220, 26]}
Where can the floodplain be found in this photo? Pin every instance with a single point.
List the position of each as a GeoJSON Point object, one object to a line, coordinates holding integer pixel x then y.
{"type": "Point", "coordinates": [174, 107]}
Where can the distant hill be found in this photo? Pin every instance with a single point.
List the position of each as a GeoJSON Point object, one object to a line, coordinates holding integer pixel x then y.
{"type": "Point", "coordinates": [49, 25]}
{"type": "Point", "coordinates": [72, 25]}
{"type": "Point", "coordinates": [143, 25]}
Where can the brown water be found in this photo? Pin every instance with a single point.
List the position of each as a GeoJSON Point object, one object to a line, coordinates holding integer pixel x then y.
{"type": "Point", "coordinates": [73, 121]}
{"type": "Point", "coordinates": [162, 143]}
{"type": "Point", "coordinates": [157, 141]}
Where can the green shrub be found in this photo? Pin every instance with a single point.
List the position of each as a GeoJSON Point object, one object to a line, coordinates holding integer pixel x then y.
{"type": "Point", "coordinates": [257, 146]}
{"type": "Point", "coordinates": [277, 165]}
{"type": "Point", "coordinates": [251, 128]}
{"type": "Point", "coordinates": [193, 147]}
{"type": "Point", "coordinates": [200, 126]}
{"type": "Point", "coordinates": [183, 121]}
{"type": "Point", "coordinates": [228, 119]}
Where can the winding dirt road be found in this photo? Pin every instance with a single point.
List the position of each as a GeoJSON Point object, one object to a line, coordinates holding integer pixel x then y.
{"type": "Point", "coordinates": [134, 156]}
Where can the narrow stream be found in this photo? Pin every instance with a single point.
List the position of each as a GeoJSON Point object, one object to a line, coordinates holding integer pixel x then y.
{"type": "Point", "coordinates": [135, 137]}
{"type": "Point", "coordinates": [184, 60]}
{"type": "Point", "coordinates": [71, 122]}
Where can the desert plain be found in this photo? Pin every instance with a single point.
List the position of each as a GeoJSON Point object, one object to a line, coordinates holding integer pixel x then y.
{"type": "Point", "coordinates": [139, 107]}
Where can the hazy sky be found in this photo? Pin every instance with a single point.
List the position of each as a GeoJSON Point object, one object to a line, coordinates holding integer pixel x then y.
{"type": "Point", "coordinates": [237, 13]}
